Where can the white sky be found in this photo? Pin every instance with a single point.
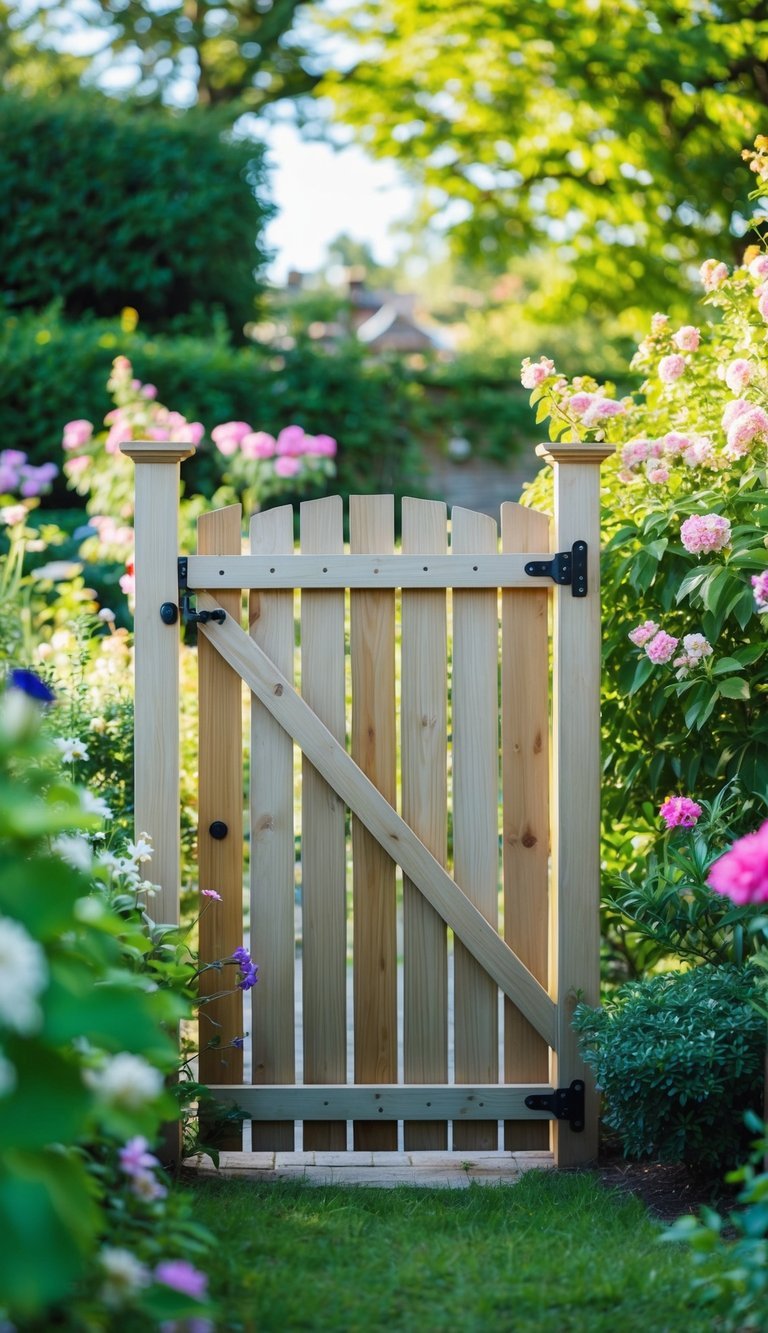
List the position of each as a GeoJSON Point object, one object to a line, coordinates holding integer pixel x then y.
{"type": "Point", "coordinates": [320, 192]}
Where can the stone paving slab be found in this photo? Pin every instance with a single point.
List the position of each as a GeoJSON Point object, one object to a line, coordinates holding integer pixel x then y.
{"type": "Point", "coordinates": [379, 1169]}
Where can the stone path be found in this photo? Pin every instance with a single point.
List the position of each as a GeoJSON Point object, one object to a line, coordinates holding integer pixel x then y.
{"type": "Point", "coordinates": [384, 1170]}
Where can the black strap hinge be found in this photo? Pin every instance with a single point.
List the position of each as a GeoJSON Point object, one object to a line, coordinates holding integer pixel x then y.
{"type": "Point", "coordinates": [563, 1103]}
{"type": "Point", "coordinates": [188, 614]}
{"type": "Point", "coordinates": [565, 567]}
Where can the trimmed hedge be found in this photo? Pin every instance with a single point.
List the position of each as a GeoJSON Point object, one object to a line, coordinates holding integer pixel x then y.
{"type": "Point", "coordinates": [103, 206]}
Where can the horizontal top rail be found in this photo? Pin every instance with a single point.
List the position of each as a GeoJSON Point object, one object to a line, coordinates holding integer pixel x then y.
{"type": "Point", "coordinates": [363, 571]}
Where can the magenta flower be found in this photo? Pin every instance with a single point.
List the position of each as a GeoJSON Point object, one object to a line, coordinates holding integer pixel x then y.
{"type": "Point", "coordinates": [324, 446]}
{"type": "Point", "coordinates": [661, 647]}
{"type": "Point", "coordinates": [258, 444]}
{"type": "Point", "coordinates": [742, 873]}
{"type": "Point", "coordinates": [680, 812]}
{"type": "Point", "coordinates": [181, 1276]}
{"type": "Point", "coordinates": [705, 532]}
{"type": "Point", "coordinates": [290, 442]}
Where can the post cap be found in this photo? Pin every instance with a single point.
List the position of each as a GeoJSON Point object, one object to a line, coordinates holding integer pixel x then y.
{"type": "Point", "coordinates": [157, 451]}
{"type": "Point", "coordinates": [576, 451]}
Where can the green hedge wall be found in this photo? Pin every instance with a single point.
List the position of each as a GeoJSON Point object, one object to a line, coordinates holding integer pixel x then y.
{"type": "Point", "coordinates": [103, 207]}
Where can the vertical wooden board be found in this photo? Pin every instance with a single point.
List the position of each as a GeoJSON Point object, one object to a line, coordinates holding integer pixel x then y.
{"type": "Point", "coordinates": [372, 646]}
{"type": "Point", "coordinates": [475, 816]}
{"type": "Point", "coordinates": [220, 779]}
{"type": "Point", "coordinates": [575, 966]}
{"type": "Point", "coordinates": [323, 843]}
{"type": "Point", "coordinates": [525, 787]}
{"type": "Point", "coordinates": [272, 842]}
{"type": "Point", "coordinates": [423, 743]}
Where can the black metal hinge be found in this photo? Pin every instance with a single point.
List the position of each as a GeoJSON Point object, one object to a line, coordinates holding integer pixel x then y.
{"type": "Point", "coordinates": [169, 612]}
{"type": "Point", "coordinates": [564, 1103]}
{"type": "Point", "coordinates": [566, 567]}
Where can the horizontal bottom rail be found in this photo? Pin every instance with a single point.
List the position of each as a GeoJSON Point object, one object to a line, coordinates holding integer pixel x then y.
{"type": "Point", "coordinates": [394, 1101]}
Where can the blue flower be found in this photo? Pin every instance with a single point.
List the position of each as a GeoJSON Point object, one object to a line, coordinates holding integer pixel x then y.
{"type": "Point", "coordinates": [31, 685]}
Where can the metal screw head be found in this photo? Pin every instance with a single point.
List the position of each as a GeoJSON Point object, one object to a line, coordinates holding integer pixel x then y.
{"type": "Point", "coordinates": [169, 613]}
{"type": "Point", "coordinates": [218, 829]}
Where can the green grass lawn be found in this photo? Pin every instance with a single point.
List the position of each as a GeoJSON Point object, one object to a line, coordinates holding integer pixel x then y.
{"type": "Point", "coordinates": [552, 1253]}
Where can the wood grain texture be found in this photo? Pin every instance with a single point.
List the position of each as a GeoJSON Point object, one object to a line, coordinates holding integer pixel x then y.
{"type": "Point", "coordinates": [475, 816]}
{"type": "Point", "coordinates": [376, 813]}
{"type": "Point", "coordinates": [361, 570]}
{"type": "Point", "coordinates": [423, 742]}
{"type": "Point", "coordinates": [272, 842]}
{"type": "Point", "coordinates": [220, 862]}
{"type": "Point", "coordinates": [525, 796]}
{"type": "Point", "coordinates": [372, 650]}
{"type": "Point", "coordinates": [381, 1102]}
{"type": "Point", "coordinates": [156, 673]}
{"type": "Point", "coordinates": [575, 940]}
{"type": "Point", "coordinates": [323, 843]}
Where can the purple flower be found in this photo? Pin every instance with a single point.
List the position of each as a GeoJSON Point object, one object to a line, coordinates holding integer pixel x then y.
{"type": "Point", "coordinates": [248, 969]}
{"type": "Point", "coordinates": [238, 1043]}
{"type": "Point", "coordinates": [211, 893]}
{"type": "Point", "coordinates": [30, 684]}
{"type": "Point", "coordinates": [241, 955]}
{"type": "Point", "coordinates": [135, 1157]}
{"type": "Point", "coordinates": [181, 1276]}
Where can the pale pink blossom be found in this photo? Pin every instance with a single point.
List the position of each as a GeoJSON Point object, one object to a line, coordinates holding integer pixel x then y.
{"type": "Point", "coordinates": [680, 812]}
{"type": "Point", "coordinates": [696, 646]}
{"type": "Point", "coordinates": [760, 587]}
{"type": "Point", "coordinates": [76, 434]}
{"type": "Point", "coordinates": [687, 338]}
{"type": "Point", "coordinates": [656, 472]}
{"type": "Point", "coordinates": [661, 647]}
{"type": "Point", "coordinates": [733, 410]}
{"type": "Point", "coordinates": [534, 374]}
{"type": "Point", "coordinates": [74, 467]}
{"type": "Point", "coordinates": [713, 274]}
{"type": "Point", "coordinates": [759, 267]}
{"type": "Point", "coordinates": [149, 391]}
{"type": "Point", "coordinates": [738, 374]}
{"type": "Point", "coordinates": [748, 426]}
{"type": "Point", "coordinates": [675, 443]}
{"type": "Point", "coordinates": [659, 322]}
{"type": "Point", "coordinates": [286, 466]}
{"type": "Point", "coordinates": [601, 408]}
{"type": "Point", "coordinates": [699, 453]}
{"type": "Point", "coordinates": [762, 302]}
{"type": "Point", "coordinates": [579, 403]}
{"type": "Point", "coordinates": [742, 873]}
{"type": "Point", "coordinates": [634, 452]}
{"type": "Point", "coordinates": [135, 1156]}
{"type": "Point", "coordinates": [212, 894]}
{"type": "Point", "coordinates": [642, 634]}
{"type": "Point", "coordinates": [195, 431]}
{"type": "Point", "coordinates": [705, 532]}
{"type": "Point", "coordinates": [228, 436]}
{"type": "Point", "coordinates": [258, 444]}
{"type": "Point", "coordinates": [671, 368]}
{"type": "Point", "coordinates": [181, 1276]}
{"type": "Point", "coordinates": [12, 515]}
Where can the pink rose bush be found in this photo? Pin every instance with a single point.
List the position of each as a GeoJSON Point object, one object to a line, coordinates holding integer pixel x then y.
{"type": "Point", "coordinates": [260, 465]}
{"type": "Point", "coordinates": [742, 873]}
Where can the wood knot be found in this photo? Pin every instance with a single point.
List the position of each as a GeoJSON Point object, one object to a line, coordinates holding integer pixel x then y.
{"type": "Point", "coordinates": [537, 743]}
{"type": "Point", "coordinates": [529, 839]}
{"type": "Point", "coordinates": [278, 689]}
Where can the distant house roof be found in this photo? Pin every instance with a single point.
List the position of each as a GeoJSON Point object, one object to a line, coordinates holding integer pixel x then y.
{"type": "Point", "coordinates": [392, 327]}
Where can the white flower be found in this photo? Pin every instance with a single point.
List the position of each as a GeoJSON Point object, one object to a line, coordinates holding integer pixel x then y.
{"type": "Point", "coordinates": [106, 615]}
{"type": "Point", "coordinates": [94, 805]}
{"type": "Point", "coordinates": [23, 978]}
{"type": "Point", "coordinates": [19, 715]}
{"type": "Point", "coordinates": [75, 851]}
{"type": "Point", "coordinates": [124, 1273]}
{"type": "Point", "coordinates": [7, 1076]}
{"type": "Point", "coordinates": [126, 1081]}
{"type": "Point", "coordinates": [57, 570]}
{"type": "Point", "coordinates": [141, 849]}
{"type": "Point", "coordinates": [13, 514]}
{"type": "Point", "coordinates": [70, 748]}
{"type": "Point", "coordinates": [696, 646]}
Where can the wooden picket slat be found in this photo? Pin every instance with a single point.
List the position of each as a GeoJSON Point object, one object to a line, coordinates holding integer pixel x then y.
{"type": "Point", "coordinates": [272, 842]}
{"type": "Point", "coordinates": [372, 651]}
{"type": "Point", "coordinates": [323, 843]}
{"type": "Point", "coordinates": [525, 787]}
{"type": "Point", "coordinates": [220, 861]}
{"type": "Point", "coordinates": [424, 782]}
{"type": "Point", "coordinates": [475, 819]}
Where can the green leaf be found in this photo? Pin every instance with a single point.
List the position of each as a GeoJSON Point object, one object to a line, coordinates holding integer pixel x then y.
{"type": "Point", "coordinates": [724, 664]}
{"type": "Point", "coordinates": [733, 688]}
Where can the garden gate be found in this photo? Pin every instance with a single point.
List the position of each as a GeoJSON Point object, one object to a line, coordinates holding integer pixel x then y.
{"type": "Point", "coordinates": [425, 1035]}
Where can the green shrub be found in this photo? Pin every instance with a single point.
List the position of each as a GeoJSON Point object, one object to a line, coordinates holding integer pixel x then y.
{"type": "Point", "coordinates": [104, 207]}
{"type": "Point", "coordinates": [679, 1060]}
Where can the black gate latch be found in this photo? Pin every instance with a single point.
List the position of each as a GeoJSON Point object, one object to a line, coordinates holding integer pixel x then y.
{"type": "Point", "coordinates": [169, 613]}
{"type": "Point", "coordinates": [566, 567]}
{"type": "Point", "coordinates": [564, 1103]}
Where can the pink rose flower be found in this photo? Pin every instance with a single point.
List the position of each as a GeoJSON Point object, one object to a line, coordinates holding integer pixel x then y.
{"type": "Point", "coordinates": [659, 322]}
{"type": "Point", "coordinates": [746, 427]}
{"type": "Point", "coordinates": [705, 532]}
{"type": "Point", "coordinates": [760, 586]}
{"type": "Point", "coordinates": [195, 431]}
{"type": "Point", "coordinates": [680, 811]}
{"type": "Point", "coordinates": [734, 410]}
{"type": "Point", "coordinates": [700, 452]}
{"type": "Point", "coordinates": [759, 267]}
{"type": "Point", "coordinates": [532, 375]}
{"type": "Point", "coordinates": [671, 368]}
{"type": "Point", "coordinates": [579, 403]}
{"type": "Point", "coordinates": [286, 466]}
{"type": "Point", "coordinates": [228, 435]}
{"type": "Point", "coordinates": [290, 441]}
{"type": "Point", "coordinates": [738, 374]}
{"type": "Point", "coordinates": [661, 648]}
{"type": "Point", "coordinates": [634, 452]}
{"type": "Point", "coordinates": [674, 442]}
{"type": "Point", "coordinates": [742, 873]}
{"type": "Point", "coordinates": [713, 274]}
{"type": "Point", "coordinates": [687, 338]}
{"type": "Point", "coordinates": [762, 302]}
{"type": "Point", "coordinates": [258, 444]}
{"type": "Point", "coordinates": [642, 634]}
{"type": "Point", "coordinates": [696, 647]}
{"type": "Point", "coordinates": [657, 473]}
{"type": "Point", "coordinates": [76, 434]}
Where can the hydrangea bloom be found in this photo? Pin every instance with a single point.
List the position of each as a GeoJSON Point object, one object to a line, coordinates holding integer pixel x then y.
{"type": "Point", "coordinates": [671, 368]}
{"type": "Point", "coordinates": [643, 633]}
{"type": "Point", "coordinates": [680, 812]}
{"type": "Point", "coordinates": [705, 532]}
{"type": "Point", "coordinates": [661, 647]}
{"type": "Point", "coordinates": [742, 873]}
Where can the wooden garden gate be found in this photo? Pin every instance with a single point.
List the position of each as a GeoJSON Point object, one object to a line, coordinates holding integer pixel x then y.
{"type": "Point", "coordinates": [472, 731]}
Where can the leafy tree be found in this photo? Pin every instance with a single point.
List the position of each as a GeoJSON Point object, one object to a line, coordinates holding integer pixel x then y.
{"type": "Point", "coordinates": [609, 128]}
{"type": "Point", "coordinates": [238, 53]}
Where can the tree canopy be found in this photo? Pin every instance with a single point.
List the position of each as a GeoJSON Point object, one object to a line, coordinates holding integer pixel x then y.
{"type": "Point", "coordinates": [240, 53]}
{"type": "Point", "coordinates": [609, 128]}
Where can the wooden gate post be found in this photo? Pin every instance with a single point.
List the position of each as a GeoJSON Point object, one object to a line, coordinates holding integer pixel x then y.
{"type": "Point", "coordinates": [156, 662]}
{"type": "Point", "coordinates": [576, 771]}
